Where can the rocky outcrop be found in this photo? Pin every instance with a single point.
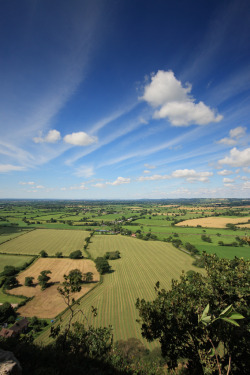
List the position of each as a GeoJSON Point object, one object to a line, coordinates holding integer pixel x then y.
{"type": "Point", "coordinates": [9, 365]}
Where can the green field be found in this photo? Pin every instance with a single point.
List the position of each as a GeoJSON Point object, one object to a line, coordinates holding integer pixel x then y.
{"type": "Point", "coordinates": [8, 233]}
{"type": "Point", "coordinates": [141, 265]}
{"type": "Point", "coordinates": [13, 260]}
{"type": "Point", "coordinates": [50, 240]}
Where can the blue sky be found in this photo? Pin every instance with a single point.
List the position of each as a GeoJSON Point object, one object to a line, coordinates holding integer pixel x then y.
{"type": "Point", "coordinates": [129, 99]}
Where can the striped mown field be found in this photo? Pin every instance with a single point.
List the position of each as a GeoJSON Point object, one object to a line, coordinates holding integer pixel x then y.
{"type": "Point", "coordinates": [142, 264]}
{"type": "Point", "coordinates": [50, 240]}
{"type": "Point", "coordinates": [13, 260]}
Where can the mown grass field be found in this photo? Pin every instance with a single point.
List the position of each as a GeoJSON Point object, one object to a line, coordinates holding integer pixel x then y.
{"type": "Point", "coordinates": [48, 303]}
{"type": "Point", "coordinates": [142, 264]}
{"type": "Point", "coordinates": [50, 240]}
{"type": "Point", "coordinates": [8, 233]}
{"type": "Point", "coordinates": [13, 260]}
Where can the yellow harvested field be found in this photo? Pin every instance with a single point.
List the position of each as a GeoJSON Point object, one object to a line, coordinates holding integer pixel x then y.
{"type": "Point", "coordinates": [244, 225]}
{"type": "Point", "coordinates": [213, 222]}
{"type": "Point", "coordinates": [194, 208]}
{"type": "Point", "coordinates": [49, 303]}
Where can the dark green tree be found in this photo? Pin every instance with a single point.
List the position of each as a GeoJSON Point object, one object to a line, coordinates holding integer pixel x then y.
{"type": "Point", "coordinates": [28, 281]}
{"type": "Point", "coordinates": [173, 317]}
{"type": "Point", "coordinates": [43, 254]}
{"type": "Point", "coordinates": [102, 265]}
{"type": "Point", "coordinates": [11, 282]}
{"type": "Point", "coordinates": [43, 279]}
{"type": "Point", "coordinates": [7, 313]}
{"type": "Point", "coordinates": [77, 254]}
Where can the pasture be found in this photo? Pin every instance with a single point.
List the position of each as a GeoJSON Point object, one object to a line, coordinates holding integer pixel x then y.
{"type": "Point", "coordinates": [8, 233]}
{"type": "Point", "coordinates": [49, 303]}
{"type": "Point", "coordinates": [142, 264]}
{"type": "Point", "coordinates": [50, 240]}
{"type": "Point", "coordinates": [13, 260]}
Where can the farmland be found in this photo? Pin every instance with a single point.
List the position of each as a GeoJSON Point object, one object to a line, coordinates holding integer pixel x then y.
{"type": "Point", "coordinates": [141, 265]}
{"type": "Point", "coordinates": [50, 240]}
{"type": "Point", "coordinates": [14, 260]}
{"type": "Point", "coordinates": [28, 228]}
{"type": "Point", "coordinates": [214, 222]}
{"type": "Point", "coordinates": [48, 303]}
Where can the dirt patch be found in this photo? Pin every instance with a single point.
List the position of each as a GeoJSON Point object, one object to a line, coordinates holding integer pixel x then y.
{"type": "Point", "coordinates": [212, 222]}
{"type": "Point", "coordinates": [49, 303]}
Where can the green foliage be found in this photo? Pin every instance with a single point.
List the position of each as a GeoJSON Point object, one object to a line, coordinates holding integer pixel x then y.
{"type": "Point", "coordinates": [10, 282]}
{"type": "Point", "coordinates": [59, 254]}
{"type": "Point", "coordinates": [43, 279]}
{"type": "Point", "coordinates": [112, 255]}
{"type": "Point", "coordinates": [102, 265]}
{"type": "Point", "coordinates": [88, 277]}
{"type": "Point", "coordinates": [9, 271]}
{"type": "Point", "coordinates": [7, 313]}
{"type": "Point", "coordinates": [77, 254]}
{"type": "Point", "coordinates": [173, 316]}
{"type": "Point", "coordinates": [43, 254]}
{"type": "Point", "coordinates": [28, 281]}
{"type": "Point", "coordinates": [206, 238]}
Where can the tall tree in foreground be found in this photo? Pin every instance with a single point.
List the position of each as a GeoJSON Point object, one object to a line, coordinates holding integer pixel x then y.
{"type": "Point", "coordinates": [175, 318]}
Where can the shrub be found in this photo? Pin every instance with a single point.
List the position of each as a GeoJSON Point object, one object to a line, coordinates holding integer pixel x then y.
{"type": "Point", "coordinates": [77, 254]}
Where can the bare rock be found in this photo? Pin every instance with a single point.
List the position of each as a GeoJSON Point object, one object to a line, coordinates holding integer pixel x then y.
{"type": "Point", "coordinates": [9, 365]}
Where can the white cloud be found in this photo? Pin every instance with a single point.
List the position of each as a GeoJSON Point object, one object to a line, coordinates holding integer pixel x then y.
{"type": "Point", "coordinates": [227, 141]}
{"type": "Point", "coordinates": [237, 132]}
{"type": "Point", "coordinates": [27, 183]}
{"type": "Point", "coordinates": [119, 181]}
{"type": "Point", "coordinates": [80, 139]}
{"type": "Point", "coordinates": [53, 136]}
{"type": "Point", "coordinates": [225, 172]}
{"type": "Point", "coordinates": [100, 185]}
{"type": "Point", "coordinates": [175, 101]}
{"type": "Point", "coordinates": [228, 180]}
{"type": "Point", "coordinates": [154, 177]}
{"type": "Point", "coordinates": [84, 171]}
{"type": "Point", "coordinates": [247, 170]}
{"type": "Point", "coordinates": [4, 168]}
{"type": "Point", "coordinates": [146, 171]}
{"type": "Point", "coordinates": [191, 175]}
{"type": "Point", "coordinates": [234, 135]}
{"type": "Point", "coordinates": [237, 158]}
{"type": "Point", "coordinates": [40, 187]}
{"type": "Point", "coordinates": [246, 185]}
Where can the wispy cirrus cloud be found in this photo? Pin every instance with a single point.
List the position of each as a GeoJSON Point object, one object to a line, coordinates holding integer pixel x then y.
{"type": "Point", "coordinates": [5, 168]}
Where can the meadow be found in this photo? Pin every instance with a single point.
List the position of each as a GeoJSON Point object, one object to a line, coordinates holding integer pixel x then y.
{"type": "Point", "coordinates": [50, 240]}
{"type": "Point", "coordinates": [142, 264]}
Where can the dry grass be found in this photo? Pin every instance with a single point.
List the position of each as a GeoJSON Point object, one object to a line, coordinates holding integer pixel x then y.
{"type": "Point", "coordinates": [49, 303]}
{"type": "Point", "coordinates": [213, 222]}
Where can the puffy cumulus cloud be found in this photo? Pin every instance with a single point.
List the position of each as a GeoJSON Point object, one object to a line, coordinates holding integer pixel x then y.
{"type": "Point", "coordinates": [27, 183]}
{"type": "Point", "coordinates": [4, 168]}
{"type": "Point", "coordinates": [176, 102]}
{"type": "Point", "coordinates": [155, 177]}
{"type": "Point", "coordinates": [80, 139]}
{"type": "Point", "coordinates": [53, 136]}
{"type": "Point", "coordinates": [191, 175]}
{"type": "Point", "coordinates": [237, 158]}
{"type": "Point", "coordinates": [40, 187]}
{"type": "Point", "coordinates": [146, 171]}
{"type": "Point", "coordinates": [227, 180]}
{"type": "Point", "coordinates": [84, 171]}
{"type": "Point", "coordinates": [247, 170]}
{"type": "Point", "coordinates": [119, 181]}
{"type": "Point", "coordinates": [225, 172]}
{"type": "Point", "coordinates": [234, 135]}
{"type": "Point", "coordinates": [227, 141]}
{"type": "Point", "coordinates": [238, 132]}
{"type": "Point", "coordinates": [246, 185]}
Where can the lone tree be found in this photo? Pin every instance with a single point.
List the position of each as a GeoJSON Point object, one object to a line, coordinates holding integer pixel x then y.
{"type": "Point", "coordinates": [43, 254]}
{"type": "Point", "coordinates": [88, 277]}
{"type": "Point", "coordinates": [174, 318]}
{"type": "Point", "coordinates": [28, 281]}
{"type": "Point", "coordinates": [11, 282]}
{"type": "Point", "coordinates": [43, 279]}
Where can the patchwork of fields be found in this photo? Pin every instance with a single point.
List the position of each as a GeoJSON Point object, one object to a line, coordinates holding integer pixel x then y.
{"type": "Point", "coordinates": [49, 303]}
{"type": "Point", "coordinates": [50, 240]}
{"type": "Point", "coordinates": [142, 264]}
